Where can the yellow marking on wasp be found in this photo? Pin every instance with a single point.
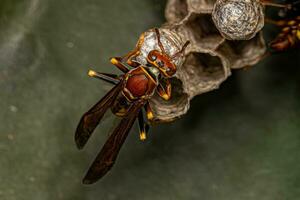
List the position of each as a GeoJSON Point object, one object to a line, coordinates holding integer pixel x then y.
{"type": "Point", "coordinates": [286, 29]}
{"type": "Point", "coordinates": [292, 22]}
{"type": "Point", "coordinates": [166, 97]}
{"type": "Point", "coordinates": [150, 115]}
{"type": "Point", "coordinates": [114, 61]}
{"type": "Point", "coordinates": [298, 34]}
{"type": "Point", "coordinates": [92, 73]}
{"type": "Point", "coordinates": [143, 136]}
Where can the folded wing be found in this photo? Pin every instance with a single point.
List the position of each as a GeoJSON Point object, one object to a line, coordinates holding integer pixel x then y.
{"type": "Point", "coordinates": [109, 152]}
{"type": "Point", "coordinates": [91, 119]}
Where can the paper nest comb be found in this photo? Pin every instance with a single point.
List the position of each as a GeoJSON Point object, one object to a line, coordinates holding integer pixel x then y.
{"type": "Point", "coordinates": [208, 59]}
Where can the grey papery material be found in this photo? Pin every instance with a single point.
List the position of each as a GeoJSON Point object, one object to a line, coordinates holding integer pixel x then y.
{"type": "Point", "coordinates": [208, 60]}
{"type": "Point", "coordinates": [238, 19]}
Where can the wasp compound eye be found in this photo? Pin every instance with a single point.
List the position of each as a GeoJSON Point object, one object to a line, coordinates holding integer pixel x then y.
{"type": "Point", "coordinates": [153, 57]}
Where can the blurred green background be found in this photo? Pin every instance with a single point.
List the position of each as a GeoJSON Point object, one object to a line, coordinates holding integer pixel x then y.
{"type": "Point", "coordinates": [241, 142]}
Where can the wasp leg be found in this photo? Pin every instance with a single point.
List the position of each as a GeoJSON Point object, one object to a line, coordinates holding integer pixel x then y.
{"type": "Point", "coordinates": [132, 54]}
{"type": "Point", "coordinates": [276, 23]}
{"type": "Point", "coordinates": [110, 78]}
{"type": "Point", "coordinates": [136, 51]}
{"type": "Point", "coordinates": [272, 4]}
{"type": "Point", "coordinates": [143, 126]}
{"type": "Point", "coordinates": [165, 92]}
{"type": "Point", "coordinates": [117, 61]}
{"type": "Point", "coordinates": [130, 58]}
{"type": "Point", "coordinates": [149, 112]}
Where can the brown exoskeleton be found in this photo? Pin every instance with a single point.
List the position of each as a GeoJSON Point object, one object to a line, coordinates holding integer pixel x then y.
{"type": "Point", "coordinates": [127, 99]}
{"type": "Point", "coordinates": [289, 36]}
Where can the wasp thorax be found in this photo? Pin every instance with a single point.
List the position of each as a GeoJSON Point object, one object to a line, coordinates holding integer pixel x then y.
{"type": "Point", "coordinates": [238, 19]}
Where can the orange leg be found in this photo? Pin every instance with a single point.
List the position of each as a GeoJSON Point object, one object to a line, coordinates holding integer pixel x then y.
{"type": "Point", "coordinates": [117, 61]}
{"type": "Point", "coordinates": [131, 55]}
{"type": "Point", "coordinates": [165, 92]}
{"type": "Point", "coordinates": [274, 22]}
{"type": "Point", "coordinates": [130, 58]}
{"type": "Point", "coordinates": [277, 5]}
{"type": "Point", "coordinates": [110, 78]}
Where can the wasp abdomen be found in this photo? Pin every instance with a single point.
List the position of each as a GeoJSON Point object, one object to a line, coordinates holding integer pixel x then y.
{"type": "Point", "coordinates": [121, 106]}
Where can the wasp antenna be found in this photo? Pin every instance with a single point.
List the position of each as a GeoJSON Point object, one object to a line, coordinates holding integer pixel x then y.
{"type": "Point", "coordinates": [159, 41]}
{"type": "Point", "coordinates": [181, 51]}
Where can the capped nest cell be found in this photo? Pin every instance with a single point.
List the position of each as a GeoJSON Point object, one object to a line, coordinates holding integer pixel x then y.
{"type": "Point", "coordinates": [238, 19]}
{"type": "Point", "coordinates": [207, 61]}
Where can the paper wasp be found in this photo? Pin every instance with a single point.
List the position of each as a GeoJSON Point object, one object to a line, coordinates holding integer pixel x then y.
{"type": "Point", "coordinates": [289, 37]}
{"type": "Point", "coordinates": [127, 99]}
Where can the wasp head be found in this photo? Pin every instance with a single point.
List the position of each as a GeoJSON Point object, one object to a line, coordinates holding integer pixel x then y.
{"type": "Point", "coordinates": [161, 60]}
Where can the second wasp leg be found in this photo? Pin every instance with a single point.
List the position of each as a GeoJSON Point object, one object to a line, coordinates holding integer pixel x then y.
{"type": "Point", "coordinates": [143, 126]}
{"type": "Point", "coordinates": [117, 61]}
{"type": "Point", "coordinates": [165, 92]}
{"type": "Point", "coordinates": [149, 112]}
{"type": "Point", "coordinates": [277, 5]}
{"type": "Point", "coordinates": [276, 23]}
{"type": "Point", "coordinates": [131, 55]}
{"type": "Point", "coordinates": [110, 78]}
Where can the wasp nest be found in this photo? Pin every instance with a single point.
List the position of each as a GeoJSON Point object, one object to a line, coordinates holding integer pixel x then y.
{"type": "Point", "coordinates": [208, 60]}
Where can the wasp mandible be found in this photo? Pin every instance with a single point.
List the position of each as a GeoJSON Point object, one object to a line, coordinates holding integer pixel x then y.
{"type": "Point", "coordinates": [127, 99]}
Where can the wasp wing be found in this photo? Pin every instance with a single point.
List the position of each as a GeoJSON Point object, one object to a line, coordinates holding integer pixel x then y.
{"type": "Point", "coordinates": [91, 118]}
{"type": "Point", "coordinates": [109, 152]}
